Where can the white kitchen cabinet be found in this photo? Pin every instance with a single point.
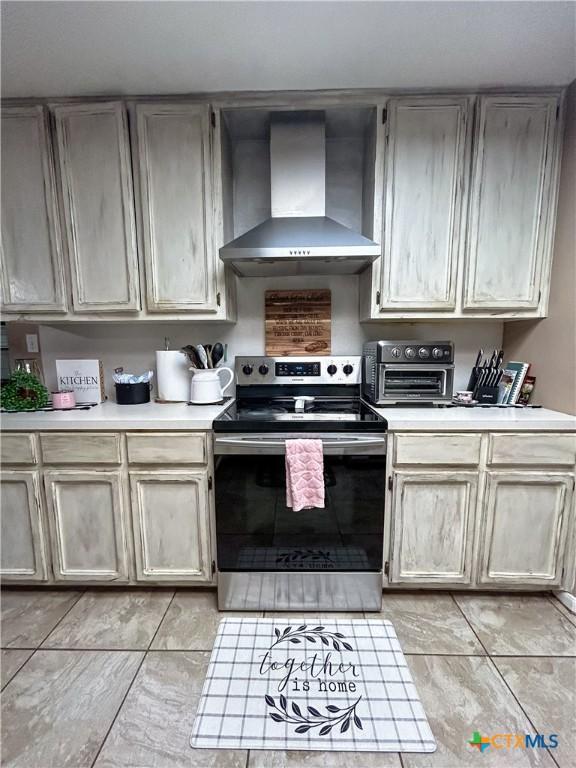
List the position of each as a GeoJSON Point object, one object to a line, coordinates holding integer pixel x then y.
{"type": "Point", "coordinates": [171, 520]}
{"type": "Point", "coordinates": [32, 262]}
{"type": "Point", "coordinates": [176, 202]}
{"type": "Point", "coordinates": [22, 532]}
{"type": "Point", "coordinates": [526, 516]}
{"type": "Point", "coordinates": [433, 523]}
{"type": "Point", "coordinates": [512, 202]}
{"type": "Point", "coordinates": [98, 203]}
{"type": "Point", "coordinates": [427, 146]}
{"type": "Point", "coordinates": [87, 525]}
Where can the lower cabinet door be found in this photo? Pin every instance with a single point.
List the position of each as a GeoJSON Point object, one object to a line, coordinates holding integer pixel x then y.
{"type": "Point", "coordinates": [22, 555]}
{"type": "Point", "coordinates": [525, 519]}
{"type": "Point", "coordinates": [433, 518]}
{"type": "Point", "coordinates": [171, 521]}
{"type": "Point", "coordinates": [87, 525]}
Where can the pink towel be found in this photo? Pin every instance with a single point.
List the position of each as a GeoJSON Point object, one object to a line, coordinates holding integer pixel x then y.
{"type": "Point", "coordinates": [304, 474]}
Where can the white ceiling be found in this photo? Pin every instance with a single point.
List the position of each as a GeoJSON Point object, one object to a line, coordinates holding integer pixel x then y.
{"type": "Point", "coordinates": [88, 48]}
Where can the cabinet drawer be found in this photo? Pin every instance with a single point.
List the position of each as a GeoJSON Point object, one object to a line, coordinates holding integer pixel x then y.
{"type": "Point", "coordinates": [87, 448]}
{"type": "Point", "coordinates": [163, 448]}
{"type": "Point", "coordinates": [509, 449]}
{"type": "Point", "coordinates": [18, 448]}
{"type": "Point", "coordinates": [452, 449]}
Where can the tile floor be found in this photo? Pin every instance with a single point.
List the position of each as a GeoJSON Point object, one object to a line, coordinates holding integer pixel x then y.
{"type": "Point", "coordinates": [112, 678]}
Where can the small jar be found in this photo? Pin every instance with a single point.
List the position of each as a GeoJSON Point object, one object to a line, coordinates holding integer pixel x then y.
{"type": "Point", "coordinates": [63, 399]}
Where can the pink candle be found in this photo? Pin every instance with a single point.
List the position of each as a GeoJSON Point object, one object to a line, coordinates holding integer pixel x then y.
{"type": "Point", "coordinates": [63, 399]}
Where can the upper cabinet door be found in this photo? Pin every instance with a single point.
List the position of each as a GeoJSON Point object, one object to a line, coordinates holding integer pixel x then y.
{"type": "Point", "coordinates": [176, 202]}
{"type": "Point", "coordinates": [94, 158]}
{"type": "Point", "coordinates": [511, 202]}
{"type": "Point", "coordinates": [32, 271]}
{"type": "Point", "coordinates": [427, 147]}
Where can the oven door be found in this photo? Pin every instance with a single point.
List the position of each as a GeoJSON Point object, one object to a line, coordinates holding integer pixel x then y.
{"type": "Point", "coordinates": [257, 532]}
{"type": "Point", "coordinates": [273, 558]}
{"type": "Point", "coordinates": [411, 381]}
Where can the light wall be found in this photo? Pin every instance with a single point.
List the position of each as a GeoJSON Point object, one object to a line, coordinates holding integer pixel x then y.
{"type": "Point", "coordinates": [550, 344]}
{"type": "Point", "coordinates": [132, 345]}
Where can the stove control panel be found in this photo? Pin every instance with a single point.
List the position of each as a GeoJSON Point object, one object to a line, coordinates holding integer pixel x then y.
{"type": "Point", "coordinates": [253, 371]}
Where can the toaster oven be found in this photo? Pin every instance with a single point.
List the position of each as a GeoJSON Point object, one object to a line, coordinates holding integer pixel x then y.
{"type": "Point", "coordinates": [400, 372]}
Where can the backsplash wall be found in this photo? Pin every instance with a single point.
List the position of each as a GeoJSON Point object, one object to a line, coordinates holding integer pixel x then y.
{"type": "Point", "coordinates": [133, 345]}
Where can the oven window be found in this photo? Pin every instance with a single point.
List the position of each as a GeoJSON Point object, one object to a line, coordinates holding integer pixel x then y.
{"type": "Point", "coordinates": [257, 532]}
{"type": "Point", "coordinates": [413, 381]}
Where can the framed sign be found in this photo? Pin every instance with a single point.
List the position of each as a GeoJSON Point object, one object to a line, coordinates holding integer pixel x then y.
{"type": "Point", "coordinates": [298, 323]}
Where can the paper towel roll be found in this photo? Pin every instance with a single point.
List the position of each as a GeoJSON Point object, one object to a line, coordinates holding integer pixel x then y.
{"type": "Point", "coordinates": [173, 376]}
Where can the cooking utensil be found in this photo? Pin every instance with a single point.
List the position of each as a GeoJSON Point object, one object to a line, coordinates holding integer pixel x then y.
{"type": "Point", "coordinates": [217, 353]}
{"type": "Point", "coordinates": [208, 348]}
{"type": "Point", "coordinates": [190, 353]}
{"type": "Point", "coordinates": [202, 356]}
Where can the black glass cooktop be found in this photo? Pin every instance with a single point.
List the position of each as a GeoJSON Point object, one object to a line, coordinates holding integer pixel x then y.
{"type": "Point", "coordinates": [281, 414]}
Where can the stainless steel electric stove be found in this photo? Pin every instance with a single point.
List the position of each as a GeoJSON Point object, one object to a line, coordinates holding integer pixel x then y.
{"type": "Point", "coordinates": [269, 556]}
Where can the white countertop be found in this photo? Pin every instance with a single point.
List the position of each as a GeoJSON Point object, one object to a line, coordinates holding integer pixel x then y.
{"type": "Point", "coordinates": [179, 416]}
{"type": "Point", "coordinates": [477, 419]}
{"type": "Point", "coordinates": [109, 415]}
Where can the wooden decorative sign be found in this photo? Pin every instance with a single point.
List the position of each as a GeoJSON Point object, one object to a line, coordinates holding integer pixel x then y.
{"type": "Point", "coordinates": [298, 322]}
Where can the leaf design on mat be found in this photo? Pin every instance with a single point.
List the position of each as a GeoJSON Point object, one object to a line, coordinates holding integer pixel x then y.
{"type": "Point", "coordinates": [304, 632]}
{"type": "Point", "coordinates": [336, 716]}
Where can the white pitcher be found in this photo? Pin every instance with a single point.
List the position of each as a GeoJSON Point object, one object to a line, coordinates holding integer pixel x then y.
{"type": "Point", "coordinates": [206, 386]}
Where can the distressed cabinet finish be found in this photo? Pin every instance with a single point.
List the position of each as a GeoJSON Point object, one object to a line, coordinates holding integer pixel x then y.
{"type": "Point", "coordinates": [525, 520]}
{"type": "Point", "coordinates": [425, 162]}
{"type": "Point", "coordinates": [98, 201]}
{"type": "Point", "coordinates": [32, 265]}
{"type": "Point", "coordinates": [171, 520]}
{"type": "Point", "coordinates": [87, 525]}
{"type": "Point", "coordinates": [511, 221]}
{"type": "Point", "coordinates": [433, 527]}
{"type": "Point", "coordinates": [22, 532]}
{"type": "Point", "coordinates": [176, 206]}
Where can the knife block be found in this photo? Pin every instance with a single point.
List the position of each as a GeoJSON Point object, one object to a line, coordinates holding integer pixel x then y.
{"type": "Point", "coordinates": [487, 395]}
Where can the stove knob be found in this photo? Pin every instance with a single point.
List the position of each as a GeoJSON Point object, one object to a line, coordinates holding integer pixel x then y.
{"type": "Point", "coordinates": [423, 352]}
{"type": "Point", "coordinates": [396, 352]}
{"type": "Point", "coordinates": [247, 369]}
{"type": "Point", "coordinates": [263, 370]}
{"type": "Point", "coordinates": [348, 369]}
{"type": "Point", "coordinates": [331, 369]}
{"type": "Point", "coordinates": [437, 353]}
{"type": "Point", "coordinates": [410, 352]}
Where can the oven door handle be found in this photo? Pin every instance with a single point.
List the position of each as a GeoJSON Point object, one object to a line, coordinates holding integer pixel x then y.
{"type": "Point", "coordinates": [330, 444]}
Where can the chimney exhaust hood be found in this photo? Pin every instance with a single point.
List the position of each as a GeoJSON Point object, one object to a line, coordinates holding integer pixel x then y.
{"type": "Point", "coordinates": [299, 239]}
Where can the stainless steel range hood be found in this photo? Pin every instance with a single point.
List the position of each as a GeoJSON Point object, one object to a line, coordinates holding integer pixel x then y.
{"type": "Point", "coordinates": [299, 239]}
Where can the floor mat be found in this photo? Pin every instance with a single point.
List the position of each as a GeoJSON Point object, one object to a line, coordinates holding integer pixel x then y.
{"type": "Point", "coordinates": [331, 684]}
